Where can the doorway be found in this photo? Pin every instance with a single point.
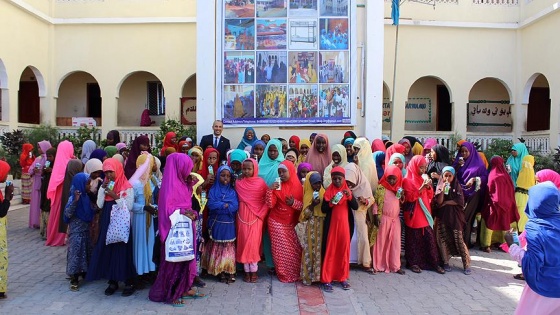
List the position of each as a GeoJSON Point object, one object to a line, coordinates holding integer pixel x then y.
{"type": "Point", "coordinates": [443, 109]}
{"type": "Point", "coordinates": [28, 102]}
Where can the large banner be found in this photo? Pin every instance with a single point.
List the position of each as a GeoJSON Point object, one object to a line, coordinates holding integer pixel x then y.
{"type": "Point", "coordinates": [286, 62]}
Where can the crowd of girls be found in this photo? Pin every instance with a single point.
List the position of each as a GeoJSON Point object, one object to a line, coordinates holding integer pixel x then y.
{"type": "Point", "coordinates": [308, 207]}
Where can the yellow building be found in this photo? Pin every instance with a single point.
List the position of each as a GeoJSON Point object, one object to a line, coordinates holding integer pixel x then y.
{"type": "Point", "coordinates": [482, 68]}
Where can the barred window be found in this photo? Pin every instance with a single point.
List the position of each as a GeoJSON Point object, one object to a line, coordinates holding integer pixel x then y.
{"type": "Point", "coordinates": [155, 98]}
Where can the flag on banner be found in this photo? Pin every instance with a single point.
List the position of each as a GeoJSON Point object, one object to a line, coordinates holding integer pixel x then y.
{"type": "Point", "coordinates": [395, 12]}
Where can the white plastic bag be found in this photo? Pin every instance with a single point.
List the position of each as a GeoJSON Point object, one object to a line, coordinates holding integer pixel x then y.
{"type": "Point", "coordinates": [119, 225]}
{"type": "Point", "coordinates": [179, 245]}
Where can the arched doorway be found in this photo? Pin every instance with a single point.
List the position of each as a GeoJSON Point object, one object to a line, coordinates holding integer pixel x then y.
{"type": "Point", "coordinates": [78, 96]}
{"type": "Point", "coordinates": [138, 91]}
{"type": "Point", "coordinates": [31, 89]}
{"type": "Point", "coordinates": [538, 103]}
{"type": "Point", "coordinates": [489, 108]}
{"type": "Point", "coordinates": [429, 106]}
{"type": "Point", "coordinates": [4, 105]}
{"type": "Point", "coordinates": [386, 108]}
{"type": "Point", "coordinates": [188, 101]}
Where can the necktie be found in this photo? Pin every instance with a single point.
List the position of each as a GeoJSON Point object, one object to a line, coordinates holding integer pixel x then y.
{"type": "Point", "coordinates": [215, 142]}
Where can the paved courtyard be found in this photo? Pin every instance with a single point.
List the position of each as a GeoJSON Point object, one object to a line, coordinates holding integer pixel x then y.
{"type": "Point", "coordinates": [37, 285]}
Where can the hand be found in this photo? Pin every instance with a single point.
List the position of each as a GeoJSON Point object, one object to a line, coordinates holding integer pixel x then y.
{"type": "Point", "coordinates": [509, 238]}
{"type": "Point", "coordinates": [346, 192]}
{"type": "Point", "coordinates": [290, 200]}
{"type": "Point", "coordinates": [307, 214]}
{"type": "Point", "coordinates": [37, 171]}
{"type": "Point", "coordinates": [9, 192]}
{"type": "Point", "coordinates": [434, 175]}
{"type": "Point", "coordinates": [199, 190]}
{"type": "Point", "coordinates": [274, 186]}
{"type": "Point", "coordinates": [470, 183]}
{"type": "Point", "coordinates": [77, 195]}
{"type": "Point", "coordinates": [111, 194]}
{"type": "Point", "coordinates": [461, 162]}
{"type": "Point", "coordinates": [151, 210]}
{"type": "Point", "coordinates": [315, 201]}
{"type": "Point", "coordinates": [210, 179]}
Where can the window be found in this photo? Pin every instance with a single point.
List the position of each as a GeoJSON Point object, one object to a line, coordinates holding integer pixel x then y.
{"type": "Point", "coordinates": [155, 98]}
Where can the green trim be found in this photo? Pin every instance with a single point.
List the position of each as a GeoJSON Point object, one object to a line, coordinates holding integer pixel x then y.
{"type": "Point", "coordinates": [489, 124]}
{"type": "Point", "coordinates": [361, 5]}
{"type": "Point", "coordinates": [488, 102]}
{"type": "Point", "coordinates": [469, 123]}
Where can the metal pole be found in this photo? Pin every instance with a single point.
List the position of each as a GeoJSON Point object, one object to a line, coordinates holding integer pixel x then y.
{"type": "Point", "coordinates": [394, 84]}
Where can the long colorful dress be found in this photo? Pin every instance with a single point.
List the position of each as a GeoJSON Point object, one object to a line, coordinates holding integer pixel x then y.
{"type": "Point", "coordinates": [219, 255]}
{"type": "Point", "coordinates": [250, 218]}
{"type": "Point", "coordinates": [313, 236]}
{"type": "Point", "coordinates": [64, 153]}
{"type": "Point", "coordinates": [26, 162]}
{"type": "Point", "coordinates": [500, 209]}
{"type": "Point", "coordinates": [420, 246]}
{"type": "Point", "coordinates": [525, 180]}
{"type": "Point", "coordinates": [282, 220]}
{"type": "Point", "coordinates": [338, 231]}
{"type": "Point", "coordinates": [387, 250]}
{"type": "Point", "coordinates": [37, 178]}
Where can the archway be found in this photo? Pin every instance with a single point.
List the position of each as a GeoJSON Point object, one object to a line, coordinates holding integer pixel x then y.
{"type": "Point", "coordinates": [429, 106]}
{"type": "Point", "coordinates": [489, 107]}
{"type": "Point", "coordinates": [31, 90]}
{"type": "Point", "coordinates": [78, 96]}
{"type": "Point", "coordinates": [188, 101]}
{"type": "Point", "coordinates": [538, 103]}
{"type": "Point", "coordinates": [386, 108]}
{"type": "Point", "coordinates": [138, 91]}
{"type": "Point", "coordinates": [4, 104]}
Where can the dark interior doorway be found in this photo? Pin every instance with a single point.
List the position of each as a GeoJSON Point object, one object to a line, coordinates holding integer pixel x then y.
{"type": "Point", "coordinates": [28, 103]}
{"type": "Point", "coordinates": [443, 109]}
{"type": "Point", "coordinates": [93, 100]}
{"type": "Point", "coordinates": [538, 109]}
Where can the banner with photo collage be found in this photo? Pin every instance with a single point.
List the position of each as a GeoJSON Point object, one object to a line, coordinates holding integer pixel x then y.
{"type": "Point", "coordinates": [286, 62]}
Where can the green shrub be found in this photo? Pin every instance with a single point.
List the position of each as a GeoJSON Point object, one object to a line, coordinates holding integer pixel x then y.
{"type": "Point", "coordinates": [500, 147]}
{"type": "Point", "coordinates": [12, 143]}
{"type": "Point", "coordinates": [175, 126]}
{"type": "Point", "coordinates": [40, 133]}
{"type": "Point", "coordinates": [84, 133]}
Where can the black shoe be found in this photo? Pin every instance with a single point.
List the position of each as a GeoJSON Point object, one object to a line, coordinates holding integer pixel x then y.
{"type": "Point", "coordinates": [111, 289]}
{"type": "Point", "coordinates": [128, 290]}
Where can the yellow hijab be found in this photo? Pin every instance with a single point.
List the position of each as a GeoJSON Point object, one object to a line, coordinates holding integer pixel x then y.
{"type": "Point", "coordinates": [526, 178]}
{"type": "Point", "coordinates": [308, 197]}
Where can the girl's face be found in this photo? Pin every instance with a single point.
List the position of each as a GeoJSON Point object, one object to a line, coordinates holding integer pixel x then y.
{"type": "Point", "coordinates": [185, 149]}
{"type": "Point", "coordinates": [465, 153]}
{"type": "Point", "coordinates": [406, 148]}
{"type": "Point", "coordinates": [337, 180]}
{"type": "Point", "coordinates": [422, 169]}
{"type": "Point", "coordinates": [196, 158]}
{"type": "Point", "coordinates": [316, 186]}
{"type": "Point", "coordinates": [212, 158]}
{"type": "Point", "coordinates": [273, 152]}
{"type": "Point", "coordinates": [174, 140]}
{"type": "Point", "coordinates": [292, 144]}
{"type": "Point", "coordinates": [250, 135]}
{"type": "Point", "coordinates": [247, 169]}
{"type": "Point", "coordinates": [448, 177]}
{"type": "Point", "coordinates": [50, 158]}
{"type": "Point", "coordinates": [110, 140]}
{"type": "Point", "coordinates": [392, 180]}
{"type": "Point", "coordinates": [110, 175]}
{"type": "Point", "coordinates": [513, 153]}
{"type": "Point", "coordinates": [320, 144]}
{"type": "Point", "coordinates": [350, 184]}
{"type": "Point", "coordinates": [284, 146]}
{"type": "Point", "coordinates": [258, 150]}
{"type": "Point", "coordinates": [303, 173]}
{"type": "Point", "coordinates": [336, 158]}
{"type": "Point", "coordinates": [95, 175]}
{"type": "Point", "coordinates": [265, 138]}
{"type": "Point", "coordinates": [349, 149]}
{"type": "Point", "coordinates": [433, 154]}
{"type": "Point", "coordinates": [291, 158]}
{"type": "Point", "coordinates": [398, 163]}
{"type": "Point", "coordinates": [225, 177]}
{"type": "Point", "coordinates": [304, 149]}
{"type": "Point", "coordinates": [40, 151]}
{"type": "Point", "coordinates": [283, 174]}
{"type": "Point", "coordinates": [235, 166]}
{"type": "Point", "coordinates": [144, 147]}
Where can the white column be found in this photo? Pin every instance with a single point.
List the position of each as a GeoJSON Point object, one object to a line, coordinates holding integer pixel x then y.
{"type": "Point", "coordinates": [206, 66]}
{"type": "Point", "coordinates": [374, 69]}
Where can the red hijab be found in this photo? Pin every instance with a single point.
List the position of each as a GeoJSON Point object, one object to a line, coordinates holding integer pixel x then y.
{"type": "Point", "coordinates": [25, 161]}
{"type": "Point", "coordinates": [292, 187]}
{"type": "Point", "coordinates": [377, 145]}
{"type": "Point", "coordinates": [395, 171]}
{"type": "Point", "coordinates": [500, 210]}
{"type": "Point", "coordinates": [203, 171]}
{"type": "Point", "coordinates": [121, 183]}
{"type": "Point", "coordinates": [252, 191]}
{"type": "Point", "coordinates": [4, 170]}
{"type": "Point", "coordinates": [395, 148]}
{"type": "Point", "coordinates": [333, 190]}
{"type": "Point", "coordinates": [168, 144]}
{"type": "Point", "coordinates": [295, 139]}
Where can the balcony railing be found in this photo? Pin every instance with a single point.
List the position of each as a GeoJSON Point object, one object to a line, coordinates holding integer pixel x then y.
{"type": "Point", "coordinates": [497, 2]}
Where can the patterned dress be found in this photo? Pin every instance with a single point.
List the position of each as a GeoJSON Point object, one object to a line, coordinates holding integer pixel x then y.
{"type": "Point", "coordinates": [3, 254]}
{"type": "Point", "coordinates": [312, 245]}
{"type": "Point", "coordinates": [79, 245]}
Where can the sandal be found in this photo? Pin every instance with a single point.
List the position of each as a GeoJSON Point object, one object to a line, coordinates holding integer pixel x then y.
{"type": "Point", "coordinates": [193, 295]}
{"type": "Point", "coordinates": [440, 270]}
{"type": "Point", "coordinates": [345, 285]}
{"type": "Point", "coordinates": [327, 287]}
{"type": "Point", "coordinates": [370, 270]}
{"type": "Point", "coordinates": [486, 249]}
{"type": "Point", "coordinates": [247, 277]}
{"type": "Point", "coordinates": [416, 269]}
{"type": "Point", "coordinates": [400, 272]}
{"type": "Point", "coordinates": [111, 289]}
{"type": "Point", "coordinates": [128, 290]}
{"type": "Point", "coordinates": [446, 267]}
{"type": "Point", "coordinates": [519, 276]}
{"type": "Point", "coordinates": [467, 271]}
{"type": "Point", "coordinates": [3, 296]}
{"type": "Point", "coordinates": [178, 303]}
{"type": "Point", "coordinates": [254, 277]}
{"type": "Point", "coordinates": [199, 283]}
{"type": "Point", "coordinates": [223, 278]}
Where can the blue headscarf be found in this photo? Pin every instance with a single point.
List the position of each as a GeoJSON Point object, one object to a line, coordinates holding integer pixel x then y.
{"type": "Point", "coordinates": [256, 143]}
{"type": "Point", "coordinates": [98, 154]}
{"type": "Point", "coordinates": [400, 157]}
{"type": "Point", "coordinates": [246, 142]}
{"type": "Point", "coordinates": [379, 158]}
{"type": "Point", "coordinates": [515, 162]}
{"type": "Point", "coordinates": [541, 263]}
{"type": "Point", "coordinates": [268, 169]}
{"type": "Point", "coordinates": [221, 220]}
{"type": "Point", "coordinates": [83, 211]}
{"type": "Point", "coordinates": [449, 169]}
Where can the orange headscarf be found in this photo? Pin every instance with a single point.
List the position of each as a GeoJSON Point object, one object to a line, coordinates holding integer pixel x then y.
{"type": "Point", "coordinates": [121, 183]}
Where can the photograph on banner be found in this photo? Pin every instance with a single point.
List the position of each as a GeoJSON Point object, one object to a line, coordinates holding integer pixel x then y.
{"type": "Point", "coordinates": [301, 8]}
{"type": "Point", "coordinates": [334, 7]}
{"type": "Point", "coordinates": [334, 67]}
{"type": "Point", "coordinates": [272, 66]}
{"type": "Point", "coordinates": [271, 8]}
{"type": "Point", "coordinates": [239, 8]}
{"type": "Point", "coordinates": [271, 101]}
{"type": "Point", "coordinates": [239, 34]}
{"type": "Point", "coordinates": [303, 34]}
{"type": "Point", "coordinates": [303, 66]}
{"type": "Point", "coordinates": [271, 34]}
{"type": "Point", "coordinates": [239, 67]}
{"type": "Point", "coordinates": [333, 34]}
{"type": "Point", "coordinates": [334, 101]}
{"type": "Point", "coordinates": [303, 101]}
{"type": "Point", "coordinates": [239, 102]}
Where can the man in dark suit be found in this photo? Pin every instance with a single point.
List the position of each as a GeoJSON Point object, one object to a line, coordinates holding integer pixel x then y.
{"type": "Point", "coordinates": [216, 140]}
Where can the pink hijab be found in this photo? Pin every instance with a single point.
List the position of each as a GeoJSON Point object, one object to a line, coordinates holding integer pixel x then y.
{"type": "Point", "coordinates": [252, 191]}
{"type": "Point", "coordinates": [319, 161]}
{"type": "Point", "coordinates": [64, 153]}
{"type": "Point", "coordinates": [548, 175]}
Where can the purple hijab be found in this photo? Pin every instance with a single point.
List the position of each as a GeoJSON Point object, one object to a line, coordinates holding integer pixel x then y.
{"type": "Point", "coordinates": [473, 167]}
{"type": "Point", "coordinates": [130, 167]}
{"type": "Point", "coordinates": [175, 192]}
